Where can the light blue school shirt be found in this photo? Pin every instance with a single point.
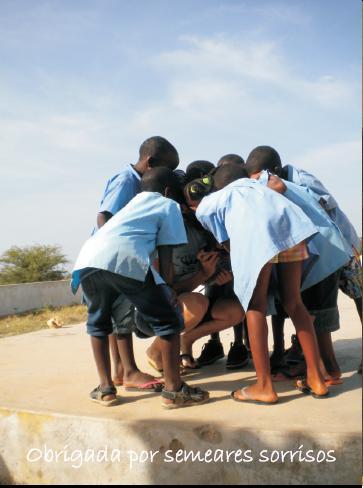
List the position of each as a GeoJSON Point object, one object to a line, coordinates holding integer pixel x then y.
{"type": "Point", "coordinates": [303, 178]}
{"type": "Point", "coordinates": [120, 190]}
{"type": "Point", "coordinates": [259, 222]}
{"type": "Point", "coordinates": [328, 249]}
{"type": "Point", "coordinates": [125, 244]}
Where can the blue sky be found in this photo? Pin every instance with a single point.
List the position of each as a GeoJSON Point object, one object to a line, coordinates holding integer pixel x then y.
{"type": "Point", "coordinates": [84, 82]}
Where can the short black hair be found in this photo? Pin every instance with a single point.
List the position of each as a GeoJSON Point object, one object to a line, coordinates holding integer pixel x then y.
{"type": "Point", "coordinates": [230, 159]}
{"type": "Point", "coordinates": [227, 173]}
{"type": "Point", "coordinates": [160, 151]}
{"type": "Point", "coordinates": [263, 157]}
{"type": "Point", "coordinates": [158, 179]}
{"type": "Point", "coordinates": [198, 169]}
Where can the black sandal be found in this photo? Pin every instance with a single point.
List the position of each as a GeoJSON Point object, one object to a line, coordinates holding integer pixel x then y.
{"type": "Point", "coordinates": [97, 395]}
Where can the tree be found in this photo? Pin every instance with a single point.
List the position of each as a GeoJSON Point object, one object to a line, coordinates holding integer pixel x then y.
{"type": "Point", "coordinates": [32, 263]}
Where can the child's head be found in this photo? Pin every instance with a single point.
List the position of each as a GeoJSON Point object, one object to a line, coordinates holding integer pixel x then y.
{"type": "Point", "coordinates": [164, 181]}
{"type": "Point", "coordinates": [261, 158]}
{"type": "Point", "coordinates": [230, 159]}
{"type": "Point", "coordinates": [157, 152]}
{"type": "Point", "coordinates": [197, 189]}
{"type": "Point", "coordinates": [227, 173]}
{"type": "Point", "coordinates": [198, 169]}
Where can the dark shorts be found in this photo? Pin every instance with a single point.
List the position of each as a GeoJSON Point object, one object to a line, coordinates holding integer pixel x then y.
{"type": "Point", "coordinates": [321, 302]}
{"type": "Point", "coordinates": [111, 300]}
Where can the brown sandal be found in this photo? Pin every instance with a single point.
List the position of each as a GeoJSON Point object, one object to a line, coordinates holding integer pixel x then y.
{"type": "Point", "coordinates": [187, 396]}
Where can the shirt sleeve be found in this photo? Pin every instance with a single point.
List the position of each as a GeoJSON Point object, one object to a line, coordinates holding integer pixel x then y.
{"type": "Point", "coordinates": [213, 220]}
{"type": "Point", "coordinates": [118, 193]}
{"type": "Point", "coordinates": [317, 187]}
{"type": "Point", "coordinates": [172, 230]}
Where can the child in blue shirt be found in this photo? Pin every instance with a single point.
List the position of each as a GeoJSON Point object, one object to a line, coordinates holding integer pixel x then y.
{"type": "Point", "coordinates": [273, 225]}
{"type": "Point", "coordinates": [117, 261]}
{"type": "Point", "coordinates": [154, 151]}
{"type": "Point", "coordinates": [321, 299]}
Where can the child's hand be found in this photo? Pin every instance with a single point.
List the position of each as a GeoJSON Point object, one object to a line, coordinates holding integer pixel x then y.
{"type": "Point", "coordinates": [223, 278]}
{"type": "Point", "coordinates": [276, 183]}
{"type": "Point", "coordinates": [208, 261]}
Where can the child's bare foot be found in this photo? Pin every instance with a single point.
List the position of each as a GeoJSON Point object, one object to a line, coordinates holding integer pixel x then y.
{"type": "Point", "coordinates": [186, 358]}
{"type": "Point", "coordinates": [333, 378]}
{"type": "Point", "coordinates": [118, 375]}
{"type": "Point", "coordinates": [155, 359]}
{"type": "Point", "coordinates": [255, 393]}
{"type": "Point", "coordinates": [314, 386]}
{"type": "Point", "coordinates": [138, 379]}
{"type": "Point", "coordinates": [188, 362]}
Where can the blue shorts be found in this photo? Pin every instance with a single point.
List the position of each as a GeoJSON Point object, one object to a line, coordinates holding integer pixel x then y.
{"type": "Point", "coordinates": [111, 299]}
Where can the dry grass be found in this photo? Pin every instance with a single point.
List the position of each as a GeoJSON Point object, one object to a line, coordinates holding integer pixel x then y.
{"type": "Point", "coordinates": [36, 320]}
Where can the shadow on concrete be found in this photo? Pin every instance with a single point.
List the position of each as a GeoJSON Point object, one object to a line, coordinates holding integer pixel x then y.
{"type": "Point", "coordinates": [5, 476]}
{"type": "Point", "coordinates": [198, 436]}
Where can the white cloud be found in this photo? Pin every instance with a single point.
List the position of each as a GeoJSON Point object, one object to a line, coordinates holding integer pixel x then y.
{"type": "Point", "coordinates": [249, 62]}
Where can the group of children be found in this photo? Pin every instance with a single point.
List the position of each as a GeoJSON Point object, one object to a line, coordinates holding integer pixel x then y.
{"type": "Point", "coordinates": [259, 238]}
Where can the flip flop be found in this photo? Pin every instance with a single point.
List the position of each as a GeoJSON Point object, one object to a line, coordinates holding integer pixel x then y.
{"type": "Point", "coordinates": [302, 386]}
{"type": "Point", "coordinates": [248, 399]}
{"type": "Point", "coordinates": [152, 385]}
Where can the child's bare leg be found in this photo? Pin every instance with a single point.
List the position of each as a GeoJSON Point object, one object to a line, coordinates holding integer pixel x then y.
{"type": "Point", "coordinates": [246, 339]}
{"type": "Point", "coordinates": [328, 356]}
{"type": "Point", "coordinates": [101, 353]}
{"type": "Point", "coordinates": [290, 280]}
{"type": "Point", "coordinates": [118, 370]}
{"type": "Point", "coordinates": [194, 306]}
{"type": "Point", "coordinates": [169, 348]}
{"type": "Point", "coordinates": [225, 313]}
{"type": "Point", "coordinates": [278, 322]}
{"type": "Point", "coordinates": [263, 389]}
{"type": "Point", "coordinates": [131, 373]}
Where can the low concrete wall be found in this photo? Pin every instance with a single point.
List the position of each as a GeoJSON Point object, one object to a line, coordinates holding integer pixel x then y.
{"type": "Point", "coordinates": [51, 449]}
{"type": "Point", "coordinates": [30, 296]}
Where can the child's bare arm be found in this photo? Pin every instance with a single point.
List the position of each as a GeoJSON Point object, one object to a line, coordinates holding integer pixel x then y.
{"type": "Point", "coordinates": [165, 264]}
{"type": "Point", "coordinates": [208, 261]}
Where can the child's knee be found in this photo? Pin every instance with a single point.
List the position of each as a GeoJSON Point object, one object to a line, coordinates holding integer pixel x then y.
{"type": "Point", "coordinates": [194, 306]}
{"type": "Point", "coordinates": [292, 305]}
{"type": "Point", "coordinates": [229, 310]}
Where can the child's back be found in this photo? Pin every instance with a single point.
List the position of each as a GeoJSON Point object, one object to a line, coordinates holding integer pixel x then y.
{"type": "Point", "coordinates": [259, 223]}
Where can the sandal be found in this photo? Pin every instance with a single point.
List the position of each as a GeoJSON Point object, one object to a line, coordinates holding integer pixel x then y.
{"type": "Point", "coordinates": [187, 396]}
{"type": "Point", "coordinates": [303, 386]}
{"type": "Point", "coordinates": [188, 357]}
{"type": "Point", "coordinates": [97, 395]}
{"type": "Point", "coordinates": [152, 385]}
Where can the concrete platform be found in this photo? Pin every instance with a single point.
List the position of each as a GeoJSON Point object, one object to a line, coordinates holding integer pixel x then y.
{"type": "Point", "coordinates": [51, 433]}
